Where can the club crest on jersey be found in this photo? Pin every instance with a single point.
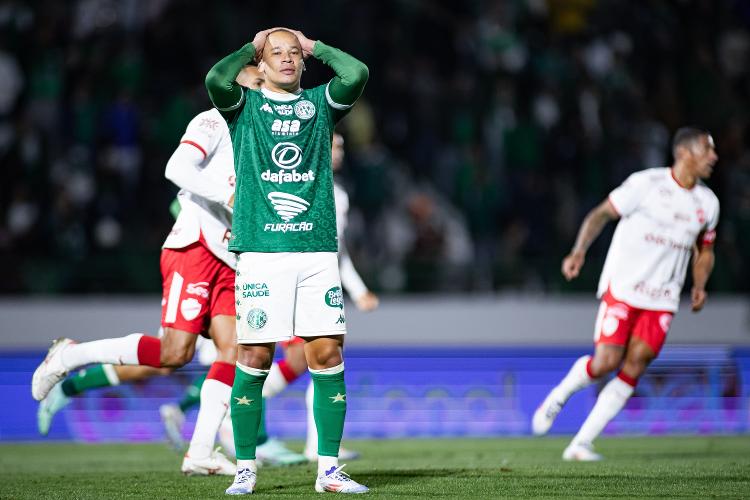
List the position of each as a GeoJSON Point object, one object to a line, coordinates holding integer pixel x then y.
{"type": "Point", "coordinates": [304, 109]}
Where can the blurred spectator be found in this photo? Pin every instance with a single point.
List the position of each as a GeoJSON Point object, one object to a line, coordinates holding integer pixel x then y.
{"type": "Point", "coordinates": [486, 132]}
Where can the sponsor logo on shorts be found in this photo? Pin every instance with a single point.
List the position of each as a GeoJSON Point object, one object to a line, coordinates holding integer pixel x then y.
{"type": "Point", "coordinates": [257, 318]}
{"type": "Point", "coordinates": [251, 290]}
{"type": "Point", "coordinates": [335, 298]}
{"type": "Point", "coordinates": [665, 320]}
{"type": "Point", "coordinates": [341, 320]}
{"type": "Point", "coordinates": [304, 109]}
{"type": "Point", "coordinates": [190, 308]}
{"type": "Point", "coordinates": [200, 289]}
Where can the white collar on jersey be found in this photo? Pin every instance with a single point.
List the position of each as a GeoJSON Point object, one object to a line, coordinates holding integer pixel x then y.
{"type": "Point", "coordinates": [280, 96]}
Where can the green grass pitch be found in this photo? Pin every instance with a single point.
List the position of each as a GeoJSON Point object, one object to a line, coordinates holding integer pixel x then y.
{"type": "Point", "coordinates": [678, 467]}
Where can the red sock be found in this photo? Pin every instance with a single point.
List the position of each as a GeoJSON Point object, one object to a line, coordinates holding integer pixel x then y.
{"type": "Point", "coordinates": [632, 382]}
{"type": "Point", "coordinates": [287, 371]}
{"type": "Point", "coordinates": [222, 372]}
{"type": "Point", "coordinates": [149, 351]}
{"type": "Point", "coordinates": [588, 369]}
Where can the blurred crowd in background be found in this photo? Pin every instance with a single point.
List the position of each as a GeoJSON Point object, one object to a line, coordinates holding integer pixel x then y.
{"type": "Point", "coordinates": [486, 132]}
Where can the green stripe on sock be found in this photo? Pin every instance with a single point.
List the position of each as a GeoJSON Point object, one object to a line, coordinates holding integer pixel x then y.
{"type": "Point", "coordinates": [90, 378]}
{"type": "Point", "coordinates": [247, 410]}
{"type": "Point", "coordinates": [192, 395]}
{"type": "Point", "coordinates": [329, 410]}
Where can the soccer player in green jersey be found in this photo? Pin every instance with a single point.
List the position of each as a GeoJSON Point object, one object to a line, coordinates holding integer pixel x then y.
{"type": "Point", "coordinates": [284, 232]}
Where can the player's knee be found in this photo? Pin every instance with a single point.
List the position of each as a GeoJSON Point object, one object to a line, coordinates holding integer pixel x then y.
{"type": "Point", "coordinates": [634, 367]}
{"type": "Point", "coordinates": [175, 358]}
{"type": "Point", "coordinates": [325, 357]}
{"type": "Point", "coordinates": [255, 357]}
{"type": "Point", "coordinates": [604, 364]}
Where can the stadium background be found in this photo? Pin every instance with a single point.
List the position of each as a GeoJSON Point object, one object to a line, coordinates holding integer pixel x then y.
{"type": "Point", "coordinates": [486, 132]}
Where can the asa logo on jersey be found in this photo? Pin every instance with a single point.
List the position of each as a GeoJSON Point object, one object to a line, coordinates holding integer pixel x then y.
{"type": "Point", "coordinates": [288, 206]}
{"type": "Point", "coordinates": [304, 109]}
{"type": "Point", "coordinates": [285, 127]}
{"type": "Point", "coordinates": [335, 297]}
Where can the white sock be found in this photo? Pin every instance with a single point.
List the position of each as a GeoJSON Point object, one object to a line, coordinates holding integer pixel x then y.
{"type": "Point", "coordinates": [214, 403]}
{"type": "Point", "coordinates": [275, 382]}
{"type": "Point", "coordinates": [576, 379]}
{"type": "Point", "coordinates": [609, 403]}
{"type": "Point", "coordinates": [119, 351]}
{"type": "Point", "coordinates": [311, 445]}
{"type": "Point", "coordinates": [326, 463]}
{"type": "Point", "coordinates": [247, 464]}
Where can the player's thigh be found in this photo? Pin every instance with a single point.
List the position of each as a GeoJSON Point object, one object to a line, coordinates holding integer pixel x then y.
{"type": "Point", "coordinates": [222, 331]}
{"type": "Point", "coordinates": [639, 355]}
{"type": "Point", "coordinates": [177, 347]}
{"type": "Point", "coordinates": [134, 373]}
{"type": "Point", "coordinates": [614, 324]}
{"type": "Point", "coordinates": [187, 274]}
{"type": "Point", "coordinates": [265, 288]}
{"type": "Point", "coordinates": [652, 327]}
{"type": "Point", "coordinates": [320, 301]}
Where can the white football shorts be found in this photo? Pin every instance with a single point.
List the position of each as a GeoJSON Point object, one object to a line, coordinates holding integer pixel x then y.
{"type": "Point", "coordinates": [279, 295]}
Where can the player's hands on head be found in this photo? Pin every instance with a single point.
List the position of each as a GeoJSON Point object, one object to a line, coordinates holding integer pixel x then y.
{"type": "Point", "coordinates": [572, 264]}
{"type": "Point", "coordinates": [698, 298]}
{"type": "Point", "coordinates": [306, 44]}
{"type": "Point", "coordinates": [367, 302]}
{"type": "Point", "coordinates": [260, 41]}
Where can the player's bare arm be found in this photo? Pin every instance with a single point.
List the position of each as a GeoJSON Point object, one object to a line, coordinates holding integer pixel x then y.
{"type": "Point", "coordinates": [703, 264]}
{"type": "Point", "coordinates": [590, 229]}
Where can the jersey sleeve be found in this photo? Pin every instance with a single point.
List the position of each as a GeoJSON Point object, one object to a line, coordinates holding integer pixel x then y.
{"type": "Point", "coordinates": [708, 235]}
{"type": "Point", "coordinates": [627, 196]}
{"type": "Point", "coordinates": [351, 76]}
{"type": "Point", "coordinates": [226, 94]}
{"type": "Point", "coordinates": [204, 133]}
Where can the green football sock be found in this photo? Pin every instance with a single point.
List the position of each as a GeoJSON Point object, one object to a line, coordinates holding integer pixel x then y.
{"type": "Point", "coordinates": [247, 410]}
{"type": "Point", "coordinates": [90, 378]}
{"type": "Point", "coordinates": [192, 395]}
{"type": "Point", "coordinates": [329, 409]}
{"type": "Point", "coordinates": [262, 433]}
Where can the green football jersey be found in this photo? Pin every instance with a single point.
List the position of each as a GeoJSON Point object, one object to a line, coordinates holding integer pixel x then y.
{"type": "Point", "coordinates": [284, 185]}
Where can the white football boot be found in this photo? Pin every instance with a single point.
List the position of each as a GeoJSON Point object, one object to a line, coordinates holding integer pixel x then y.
{"type": "Point", "coordinates": [581, 452]}
{"type": "Point", "coordinates": [173, 420]}
{"type": "Point", "coordinates": [214, 464]}
{"type": "Point", "coordinates": [274, 453]}
{"type": "Point", "coordinates": [336, 481]}
{"type": "Point", "coordinates": [244, 483]}
{"type": "Point", "coordinates": [51, 371]}
{"type": "Point", "coordinates": [545, 415]}
{"type": "Point", "coordinates": [55, 401]}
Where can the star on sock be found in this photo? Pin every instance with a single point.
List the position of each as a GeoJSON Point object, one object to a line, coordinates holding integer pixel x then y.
{"type": "Point", "coordinates": [338, 398]}
{"type": "Point", "coordinates": [243, 400]}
